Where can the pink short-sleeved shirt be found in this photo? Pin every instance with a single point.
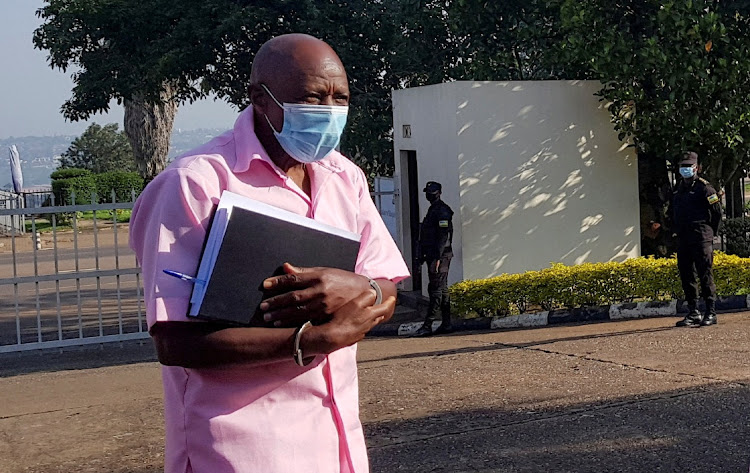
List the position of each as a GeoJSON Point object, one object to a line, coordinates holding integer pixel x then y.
{"type": "Point", "coordinates": [277, 417]}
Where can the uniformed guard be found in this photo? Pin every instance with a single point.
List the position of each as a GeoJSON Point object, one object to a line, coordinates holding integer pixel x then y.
{"type": "Point", "coordinates": [696, 215]}
{"type": "Point", "coordinates": [435, 240]}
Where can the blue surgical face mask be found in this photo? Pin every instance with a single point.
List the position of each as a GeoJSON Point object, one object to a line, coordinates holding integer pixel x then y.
{"type": "Point", "coordinates": [687, 172]}
{"type": "Point", "coordinates": [309, 132]}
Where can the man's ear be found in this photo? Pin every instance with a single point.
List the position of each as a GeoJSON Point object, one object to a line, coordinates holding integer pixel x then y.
{"type": "Point", "coordinates": [258, 97]}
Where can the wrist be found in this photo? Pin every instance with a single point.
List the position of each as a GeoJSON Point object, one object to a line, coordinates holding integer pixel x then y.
{"type": "Point", "coordinates": [312, 341]}
{"type": "Point", "coordinates": [373, 284]}
{"type": "Point", "coordinates": [300, 355]}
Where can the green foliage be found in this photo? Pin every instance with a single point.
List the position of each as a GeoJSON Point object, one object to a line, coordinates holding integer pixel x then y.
{"type": "Point", "coordinates": [737, 234]}
{"type": "Point", "coordinates": [100, 149]}
{"type": "Point", "coordinates": [94, 188]}
{"type": "Point", "coordinates": [676, 74]}
{"type": "Point", "coordinates": [69, 173]}
{"type": "Point", "coordinates": [561, 286]}
{"type": "Point", "coordinates": [124, 184]}
{"type": "Point", "coordinates": [510, 40]}
{"type": "Point", "coordinates": [123, 48]}
{"type": "Point", "coordinates": [73, 190]}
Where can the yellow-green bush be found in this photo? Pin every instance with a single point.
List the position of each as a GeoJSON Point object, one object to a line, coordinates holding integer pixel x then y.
{"type": "Point", "coordinates": [561, 286]}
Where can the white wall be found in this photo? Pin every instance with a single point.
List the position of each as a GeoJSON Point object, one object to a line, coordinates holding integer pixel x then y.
{"type": "Point", "coordinates": [534, 169]}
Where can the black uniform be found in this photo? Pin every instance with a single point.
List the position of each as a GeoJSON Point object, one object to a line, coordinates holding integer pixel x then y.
{"type": "Point", "coordinates": [435, 240]}
{"type": "Point", "coordinates": [696, 215]}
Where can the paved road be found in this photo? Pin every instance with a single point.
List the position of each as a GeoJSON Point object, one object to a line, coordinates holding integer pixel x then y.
{"type": "Point", "coordinates": [632, 396]}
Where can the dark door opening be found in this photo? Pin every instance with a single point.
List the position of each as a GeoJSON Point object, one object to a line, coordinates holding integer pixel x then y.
{"type": "Point", "coordinates": [411, 159]}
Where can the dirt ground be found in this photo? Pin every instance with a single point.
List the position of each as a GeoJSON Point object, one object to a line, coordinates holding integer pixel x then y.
{"type": "Point", "coordinates": [632, 396]}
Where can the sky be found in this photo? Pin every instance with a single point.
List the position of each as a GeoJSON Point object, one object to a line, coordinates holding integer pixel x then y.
{"type": "Point", "coordinates": [31, 93]}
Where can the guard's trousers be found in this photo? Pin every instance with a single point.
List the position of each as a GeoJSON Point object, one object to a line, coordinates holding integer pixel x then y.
{"type": "Point", "coordinates": [440, 301]}
{"type": "Point", "coordinates": [695, 264]}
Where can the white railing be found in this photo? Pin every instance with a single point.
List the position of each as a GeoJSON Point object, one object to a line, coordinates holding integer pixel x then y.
{"type": "Point", "coordinates": [65, 280]}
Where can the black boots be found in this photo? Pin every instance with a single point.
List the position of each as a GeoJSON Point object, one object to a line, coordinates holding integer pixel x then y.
{"type": "Point", "coordinates": [710, 317]}
{"type": "Point", "coordinates": [444, 328]}
{"type": "Point", "coordinates": [424, 331]}
{"type": "Point", "coordinates": [695, 319]}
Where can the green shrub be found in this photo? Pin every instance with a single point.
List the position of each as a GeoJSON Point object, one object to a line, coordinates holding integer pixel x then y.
{"type": "Point", "coordinates": [561, 286]}
{"type": "Point", "coordinates": [123, 184]}
{"type": "Point", "coordinates": [69, 173]}
{"type": "Point", "coordinates": [82, 186]}
{"type": "Point", "coordinates": [737, 236]}
{"type": "Point", "coordinates": [82, 183]}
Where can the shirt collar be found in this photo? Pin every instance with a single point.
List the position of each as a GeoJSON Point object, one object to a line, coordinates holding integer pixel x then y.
{"type": "Point", "coordinates": [248, 149]}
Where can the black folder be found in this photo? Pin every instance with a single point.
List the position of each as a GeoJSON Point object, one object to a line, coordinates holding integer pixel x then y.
{"type": "Point", "coordinates": [257, 239]}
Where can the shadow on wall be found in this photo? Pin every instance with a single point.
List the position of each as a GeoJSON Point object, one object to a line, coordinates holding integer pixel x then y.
{"type": "Point", "coordinates": [542, 182]}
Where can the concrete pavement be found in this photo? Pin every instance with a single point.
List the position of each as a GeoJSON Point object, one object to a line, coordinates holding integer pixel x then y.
{"type": "Point", "coordinates": [631, 396]}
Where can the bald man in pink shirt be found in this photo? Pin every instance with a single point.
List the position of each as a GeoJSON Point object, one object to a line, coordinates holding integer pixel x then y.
{"type": "Point", "coordinates": [236, 398]}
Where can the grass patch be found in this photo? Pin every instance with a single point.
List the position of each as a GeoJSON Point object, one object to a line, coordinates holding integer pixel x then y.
{"type": "Point", "coordinates": [84, 219]}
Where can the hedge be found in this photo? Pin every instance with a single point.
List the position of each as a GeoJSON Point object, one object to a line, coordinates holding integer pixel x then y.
{"type": "Point", "coordinates": [66, 182]}
{"type": "Point", "coordinates": [737, 233]}
{"type": "Point", "coordinates": [588, 284]}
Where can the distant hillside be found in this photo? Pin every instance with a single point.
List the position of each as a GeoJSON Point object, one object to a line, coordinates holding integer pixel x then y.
{"type": "Point", "coordinates": [39, 154]}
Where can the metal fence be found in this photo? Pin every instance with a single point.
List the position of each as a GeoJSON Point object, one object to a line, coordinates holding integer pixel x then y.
{"type": "Point", "coordinates": [68, 277]}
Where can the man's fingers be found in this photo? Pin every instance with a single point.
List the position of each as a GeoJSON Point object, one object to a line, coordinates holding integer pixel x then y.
{"type": "Point", "coordinates": [293, 278]}
{"type": "Point", "coordinates": [290, 303]}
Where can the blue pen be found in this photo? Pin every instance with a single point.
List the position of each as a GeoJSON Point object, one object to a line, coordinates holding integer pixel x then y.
{"type": "Point", "coordinates": [183, 276]}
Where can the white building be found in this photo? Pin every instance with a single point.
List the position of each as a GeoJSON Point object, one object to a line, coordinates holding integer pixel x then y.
{"type": "Point", "coordinates": [533, 170]}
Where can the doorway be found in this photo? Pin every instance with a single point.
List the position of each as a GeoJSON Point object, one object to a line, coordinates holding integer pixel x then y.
{"type": "Point", "coordinates": [414, 224]}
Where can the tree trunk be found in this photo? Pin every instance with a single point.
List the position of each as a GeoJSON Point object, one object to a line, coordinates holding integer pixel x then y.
{"type": "Point", "coordinates": [149, 129]}
{"type": "Point", "coordinates": [734, 203]}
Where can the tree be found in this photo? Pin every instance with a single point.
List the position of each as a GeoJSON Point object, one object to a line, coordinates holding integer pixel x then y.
{"type": "Point", "coordinates": [147, 54]}
{"type": "Point", "coordinates": [114, 51]}
{"type": "Point", "coordinates": [510, 40]}
{"type": "Point", "coordinates": [676, 75]}
{"type": "Point", "coordinates": [99, 149]}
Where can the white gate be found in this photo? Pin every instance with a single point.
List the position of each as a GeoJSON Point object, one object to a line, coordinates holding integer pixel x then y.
{"type": "Point", "coordinates": [68, 278]}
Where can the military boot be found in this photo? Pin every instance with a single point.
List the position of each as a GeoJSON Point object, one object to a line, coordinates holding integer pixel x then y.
{"type": "Point", "coordinates": [424, 331]}
{"type": "Point", "coordinates": [693, 318]}
{"type": "Point", "coordinates": [445, 327]}
{"type": "Point", "coordinates": [710, 317]}
{"type": "Point", "coordinates": [445, 311]}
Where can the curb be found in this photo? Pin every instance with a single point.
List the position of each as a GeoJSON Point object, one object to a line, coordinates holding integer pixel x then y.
{"type": "Point", "coordinates": [632, 310]}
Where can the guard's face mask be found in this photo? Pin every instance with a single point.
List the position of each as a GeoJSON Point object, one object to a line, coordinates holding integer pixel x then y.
{"type": "Point", "coordinates": [431, 197]}
{"type": "Point", "coordinates": [309, 132]}
{"type": "Point", "coordinates": [687, 171]}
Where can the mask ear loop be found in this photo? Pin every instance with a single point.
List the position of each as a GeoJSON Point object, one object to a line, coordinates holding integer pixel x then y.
{"type": "Point", "coordinates": [277, 103]}
{"type": "Point", "coordinates": [271, 95]}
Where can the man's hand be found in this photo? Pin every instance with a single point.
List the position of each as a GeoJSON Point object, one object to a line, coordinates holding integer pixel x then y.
{"type": "Point", "coordinates": [314, 294]}
{"type": "Point", "coordinates": [348, 325]}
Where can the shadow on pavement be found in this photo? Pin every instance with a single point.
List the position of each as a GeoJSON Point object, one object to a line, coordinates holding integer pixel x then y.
{"type": "Point", "coordinates": [496, 346]}
{"type": "Point", "coordinates": [703, 430]}
{"type": "Point", "coordinates": [77, 358]}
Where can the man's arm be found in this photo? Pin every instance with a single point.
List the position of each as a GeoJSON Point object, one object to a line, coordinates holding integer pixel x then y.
{"type": "Point", "coordinates": [203, 345]}
{"type": "Point", "coordinates": [714, 209]}
{"type": "Point", "coordinates": [445, 230]}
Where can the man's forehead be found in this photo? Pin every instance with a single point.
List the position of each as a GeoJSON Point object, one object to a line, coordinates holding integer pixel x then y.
{"type": "Point", "coordinates": [296, 56]}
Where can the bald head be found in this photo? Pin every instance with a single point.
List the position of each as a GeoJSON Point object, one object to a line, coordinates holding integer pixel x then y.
{"type": "Point", "coordinates": [291, 54]}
